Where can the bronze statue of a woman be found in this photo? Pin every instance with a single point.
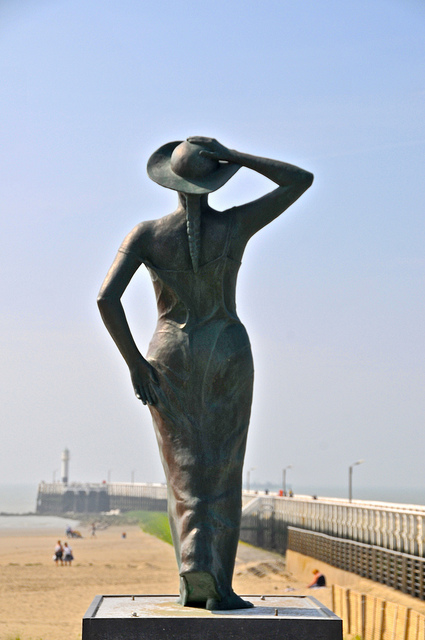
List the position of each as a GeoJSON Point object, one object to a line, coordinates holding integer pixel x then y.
{"type": "Point", "coordinates": [197, 376]}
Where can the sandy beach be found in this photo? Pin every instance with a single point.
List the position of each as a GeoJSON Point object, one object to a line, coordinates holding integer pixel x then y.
{"type": "Point", "coordinates": [39, 600]}
{"type": "Point", "coordinates": [42, 601]}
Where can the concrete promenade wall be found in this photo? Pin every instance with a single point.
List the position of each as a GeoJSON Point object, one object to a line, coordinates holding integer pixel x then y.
{"type": "Point", "coordinates": [401, 571]}
{"type": "Point", "coordinates": [302, 567]}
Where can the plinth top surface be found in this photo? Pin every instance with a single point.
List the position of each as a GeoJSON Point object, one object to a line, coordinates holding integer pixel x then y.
{"type": "Point", "coordinates": [166, 606]}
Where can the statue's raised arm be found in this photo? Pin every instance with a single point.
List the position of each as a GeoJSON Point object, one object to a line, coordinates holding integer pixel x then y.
{"type": "Point", "coordinates": [253, 216]}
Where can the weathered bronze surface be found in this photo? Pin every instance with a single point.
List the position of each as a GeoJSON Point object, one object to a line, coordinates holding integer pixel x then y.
{"type": "Point", "coordinates": [198, 373]}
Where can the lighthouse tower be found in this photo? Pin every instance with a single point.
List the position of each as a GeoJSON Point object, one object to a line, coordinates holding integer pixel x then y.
{"type": "Point", "coordinates": [65, 466]}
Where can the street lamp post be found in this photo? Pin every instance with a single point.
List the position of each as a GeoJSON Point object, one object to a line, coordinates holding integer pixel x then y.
{"type": "Point", "coordinates": [284, 478]}
{"type": "Point", "coordinates": [350, 479]}
{"type": "Point", "coordinates": [248, 478]}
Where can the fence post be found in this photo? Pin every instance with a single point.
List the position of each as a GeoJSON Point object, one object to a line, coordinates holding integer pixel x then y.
{"type": "Point", "coordinates": [407, 624]}
{"type": "Point", "coordinates": [394, 634]}
{"type": "Point", "coordinates": [363, 609]}
{"type": "Point", "coordinates": [348, 606]}
{"type": "Point", "coordinates": [373, 625]}
{"type": "Point", "coordinates": [383, 620]}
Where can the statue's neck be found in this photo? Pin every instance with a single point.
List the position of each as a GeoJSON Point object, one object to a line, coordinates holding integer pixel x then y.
{"type": "Point", "coordinates": [193, 205]}
{"type": "Point", "coordinates": [193, 201]}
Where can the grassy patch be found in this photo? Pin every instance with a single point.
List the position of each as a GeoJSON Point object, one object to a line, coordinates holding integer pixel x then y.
{"type": "Point", "coordinates": [153, 522]}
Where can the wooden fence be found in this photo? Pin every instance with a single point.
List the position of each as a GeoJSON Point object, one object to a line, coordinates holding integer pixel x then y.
{"type": "Point", "coordinates": [372, 618]}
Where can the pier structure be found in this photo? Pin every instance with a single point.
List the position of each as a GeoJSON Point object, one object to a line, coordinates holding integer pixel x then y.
{"type": "Point", "coordinates": [77, 497]}
{"type": "Point", "coordinates": [398, 527]}
{"type": "Point", "coordinates": [57, 498]}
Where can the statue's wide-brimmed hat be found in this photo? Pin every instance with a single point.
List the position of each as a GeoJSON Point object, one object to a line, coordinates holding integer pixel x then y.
{"type": "Point", "coordinates": [179, 166]}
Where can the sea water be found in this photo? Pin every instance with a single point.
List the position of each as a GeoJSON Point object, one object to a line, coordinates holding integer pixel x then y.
{"type": "Point", "coordinates": [18, 500]}
{"type": "Point", "coordinates": [36, 522]}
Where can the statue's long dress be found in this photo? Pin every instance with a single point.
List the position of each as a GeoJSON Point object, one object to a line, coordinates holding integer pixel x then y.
{"type": "Point", "coordinates": [203, 356]}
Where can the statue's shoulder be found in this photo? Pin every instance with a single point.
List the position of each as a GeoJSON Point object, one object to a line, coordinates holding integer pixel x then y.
{"type": "Point", "coordinates": [147, 236]}
{"type": "Point", "coordinates": [139, 238]}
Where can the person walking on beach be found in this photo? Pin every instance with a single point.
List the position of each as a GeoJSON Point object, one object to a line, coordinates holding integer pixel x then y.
{"type": "Point", "coordinates": [58, 557]}
{"type": "Point", "coordinates": [67, 554]}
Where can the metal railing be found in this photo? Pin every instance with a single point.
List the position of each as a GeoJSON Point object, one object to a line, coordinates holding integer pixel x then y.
{"type": "Point", "coordinates": [134, 496]}
{"type": "Point", "coordinates": [392, 526]}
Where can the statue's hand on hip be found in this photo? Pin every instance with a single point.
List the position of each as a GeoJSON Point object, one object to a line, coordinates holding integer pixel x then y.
{"type": "Point", "coordinates": [145, 381]}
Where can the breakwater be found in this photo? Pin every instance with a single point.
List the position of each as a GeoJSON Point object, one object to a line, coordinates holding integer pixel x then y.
{"type": "Point", "coordinates": [56, 498]}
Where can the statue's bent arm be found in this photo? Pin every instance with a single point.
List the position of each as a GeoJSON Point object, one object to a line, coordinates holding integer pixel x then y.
{"type": "Point", "coordinates": [253, 216]}
{"type": "Point", "coordinates": [293, 182]}
{"type": "Point", "coordinates": [143, 375]}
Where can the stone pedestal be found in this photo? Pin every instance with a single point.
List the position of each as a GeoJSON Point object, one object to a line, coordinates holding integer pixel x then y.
{"type": "Point", "coordinates": [160, 618]}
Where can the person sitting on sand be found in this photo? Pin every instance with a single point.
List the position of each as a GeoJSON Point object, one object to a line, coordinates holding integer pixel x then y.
{"type": "Point", "coordinates": [67, 554]}
{"type": "Point", "coordinates": [318, 581]}
{"type": "Point", "coordinates": [58, 553]}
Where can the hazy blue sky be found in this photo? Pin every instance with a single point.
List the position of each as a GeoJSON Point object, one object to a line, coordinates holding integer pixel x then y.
{"type": "Point", "coordinates": [332, 293]}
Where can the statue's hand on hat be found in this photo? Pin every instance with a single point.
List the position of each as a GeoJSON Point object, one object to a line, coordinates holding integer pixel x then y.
{"type": "Point", "coordinates": [212, 148]}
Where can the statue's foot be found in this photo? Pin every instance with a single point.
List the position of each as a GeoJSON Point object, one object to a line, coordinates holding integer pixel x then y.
{"type": "Point", "coordinates": [197, 587]}
{"type": "Point", "coordinates": [184, 593]}
{"type": "Point", "coordinates": [232, 601]}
